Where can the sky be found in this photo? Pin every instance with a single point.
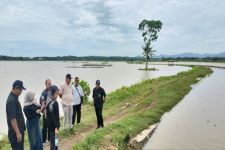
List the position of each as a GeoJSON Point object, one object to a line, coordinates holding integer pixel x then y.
{"type": "Point", "coordinates": [109, 27]}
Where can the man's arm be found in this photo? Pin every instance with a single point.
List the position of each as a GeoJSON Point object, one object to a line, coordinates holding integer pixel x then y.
{"type": "Point", "coordinates": [42, 103]}
{"type": "Point", "coordinates": [60, 91]}
{"type": "Point", "coordinates": [43, 100]}
{"type": "Point", "coordinates": [56, 117]}
{"type": "Point", "coordinates": [16, 130]}
{"type": "Point", "coordinates": [93, 93]}
{"type": "Point", "coordinates": [104, 95]}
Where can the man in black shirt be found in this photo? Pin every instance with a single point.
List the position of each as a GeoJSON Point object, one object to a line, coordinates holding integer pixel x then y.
{"type": "Point", "coordinates": [43, 100]}
{"type": "Point", "coordinates": [99, 98]}
{"type": "Point", "coordinates": [15, 119]}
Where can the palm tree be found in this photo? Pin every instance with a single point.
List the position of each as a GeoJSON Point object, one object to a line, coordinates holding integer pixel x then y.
{"type": "Point", "coordinates": [148, 53]}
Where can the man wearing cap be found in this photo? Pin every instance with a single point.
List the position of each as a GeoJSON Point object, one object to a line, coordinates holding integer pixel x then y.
{"type": "Point", "coordinates": [99, 98]}
{"type": "Point", "coordinates": [15, 119]}
{"type": "Point", "coordinates": [65, 93]}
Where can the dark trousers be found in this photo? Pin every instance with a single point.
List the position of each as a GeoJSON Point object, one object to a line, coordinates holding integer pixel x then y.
{"type": "Point", "coordinates": [76, 112]}
{"type": "Point", "coordinates": [98, 111]}
{"type": "Point", "coordinates": [45, 130]}
{"type": "Point", "coordinates": [52, 141]}
{"type": "Point", "coordinates": [13, 141]}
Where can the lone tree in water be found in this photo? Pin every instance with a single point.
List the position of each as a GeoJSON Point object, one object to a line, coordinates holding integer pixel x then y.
{"type": "Point", "coordinates": [150, 28]}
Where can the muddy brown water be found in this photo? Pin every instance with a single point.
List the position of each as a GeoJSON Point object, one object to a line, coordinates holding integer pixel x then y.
{"type": "Point", "coordinates": [198, 121]}
{"type": "Point", "coordinates": [34, 74]}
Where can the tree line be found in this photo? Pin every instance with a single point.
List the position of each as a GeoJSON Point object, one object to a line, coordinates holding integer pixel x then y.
{"type": "Point", "coordinates": [110, 58]}
{"type": "Point", "coordinates": [72, 58]}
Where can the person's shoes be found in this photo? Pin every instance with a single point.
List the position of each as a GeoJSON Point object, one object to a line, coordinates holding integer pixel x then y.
{"type": "Point", "coordinates": [97, 127]}
{"type": "Point", "coordinates": [78, 124]}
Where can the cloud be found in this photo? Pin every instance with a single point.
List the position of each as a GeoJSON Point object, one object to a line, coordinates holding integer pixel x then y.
{"type": "Point", "coordinates": [109, 27]}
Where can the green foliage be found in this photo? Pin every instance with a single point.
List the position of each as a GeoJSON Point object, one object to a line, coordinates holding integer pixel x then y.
{"type": "Point", "coordinates": [86, 88]}
{"type": "Point", "coordinates": [150, 29]}
{"type": "Point", "coordinates": [4, 142]}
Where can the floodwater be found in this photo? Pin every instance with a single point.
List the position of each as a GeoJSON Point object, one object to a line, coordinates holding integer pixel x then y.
{"type": "Point", "coordinates": [34, 74]}
{"type": "Point", "coordinates": [198, 121]}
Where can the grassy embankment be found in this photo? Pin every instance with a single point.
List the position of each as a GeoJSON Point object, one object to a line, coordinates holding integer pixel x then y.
{"type": "Point", "coordinates": [149, 100]}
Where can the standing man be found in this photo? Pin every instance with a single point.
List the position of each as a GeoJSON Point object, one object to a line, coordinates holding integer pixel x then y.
{"type": "Point", "coordinates": [99, 98]}
{"type": "Point", "coordinates": [15, 119]}
{"type": "Point", "coordinates": [77, 101]}
{"type": "Point", "coordinates": [43, 101]}
{"type": "Point", "coordinates": [65, 93]}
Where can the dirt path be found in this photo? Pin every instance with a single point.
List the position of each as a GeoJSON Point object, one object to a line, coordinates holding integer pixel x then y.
{"type": "Point", "coordinates": [67, 143]}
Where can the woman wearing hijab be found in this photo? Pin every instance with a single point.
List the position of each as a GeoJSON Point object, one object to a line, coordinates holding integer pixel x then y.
{"type": "Point", "coordinates": [32, 112]}
{"type": "Point", "coordinates": [52, 114]}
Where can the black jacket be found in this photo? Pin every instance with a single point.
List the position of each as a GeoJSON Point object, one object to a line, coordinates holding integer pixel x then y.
{"type": "Point", "coordinates": [53, 120]}
{"type": "Point", "coordinates": [30, 111]}
{"type": "Point", "coordinates": [98, 95]}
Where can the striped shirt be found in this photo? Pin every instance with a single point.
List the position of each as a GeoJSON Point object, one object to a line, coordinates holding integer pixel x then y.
{"type": "Point", "coordinates": [77, 92]}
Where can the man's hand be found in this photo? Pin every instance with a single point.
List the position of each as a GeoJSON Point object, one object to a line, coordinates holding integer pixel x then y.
{"type": "Point", "coordinates": [16, 130]}
{"type": "Point", "coordinates": [38, 111]}
{"type": "Point", "coordinates": [56, 131]}
{"type": "Point", "coordinates": [43, 109]}
{"type": "Point", "coordinates": [19, 137]}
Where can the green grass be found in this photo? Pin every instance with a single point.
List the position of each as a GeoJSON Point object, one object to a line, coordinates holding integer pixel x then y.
{"type": "Point", "coordinates": [166, 92]}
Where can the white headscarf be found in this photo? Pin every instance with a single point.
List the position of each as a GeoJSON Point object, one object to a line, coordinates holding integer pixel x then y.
{"type": "Point", "coordinates": [29, 99]}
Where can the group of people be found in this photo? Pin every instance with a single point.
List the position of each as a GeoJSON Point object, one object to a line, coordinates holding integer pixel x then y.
{"type": "Point", "coordinates": [72, 96]}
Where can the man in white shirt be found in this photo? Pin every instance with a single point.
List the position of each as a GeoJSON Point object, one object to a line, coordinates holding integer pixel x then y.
{"type": "Point", "coordinates": [77, 100]}
{"type": "Point", "coordinates": [65, 93]}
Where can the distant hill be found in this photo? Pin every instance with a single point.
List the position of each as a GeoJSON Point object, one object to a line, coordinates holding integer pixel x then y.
{"type": "Point", "coordinates": [191, 55]}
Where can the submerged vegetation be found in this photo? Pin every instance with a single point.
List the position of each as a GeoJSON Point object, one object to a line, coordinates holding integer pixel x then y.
{"type": "Point", "coordinates": [149, 69]}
